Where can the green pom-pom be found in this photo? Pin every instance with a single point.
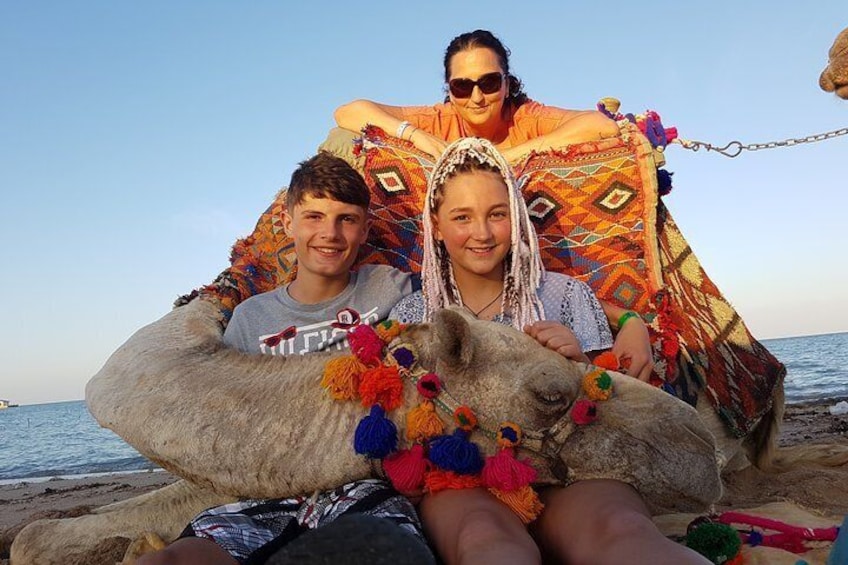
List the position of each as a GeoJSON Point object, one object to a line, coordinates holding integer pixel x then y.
{"type": "Point", "coordinates": [717, 542]}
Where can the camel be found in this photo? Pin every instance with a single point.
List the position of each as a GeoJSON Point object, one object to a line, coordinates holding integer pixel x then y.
{"type": "Point", "coordinates": [165, 389]}
{"type": "Point", "coordinates": [834, 78]}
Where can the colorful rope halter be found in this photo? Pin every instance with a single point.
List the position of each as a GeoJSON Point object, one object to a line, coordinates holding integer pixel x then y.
{"type": "Point", "coordinates": [435, 461]}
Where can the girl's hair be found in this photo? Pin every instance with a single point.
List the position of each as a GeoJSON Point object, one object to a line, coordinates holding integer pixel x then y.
{"type": "Point", "coordinates": [515, 95]}
{"type": "Point", "coordinates": [523, 271]}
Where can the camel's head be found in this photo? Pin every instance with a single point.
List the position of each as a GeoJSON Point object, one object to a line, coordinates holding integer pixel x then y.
{"type": "Point", "coordinates": [642, 435]}
{"type": "Point", "coordinates": [834, 78]}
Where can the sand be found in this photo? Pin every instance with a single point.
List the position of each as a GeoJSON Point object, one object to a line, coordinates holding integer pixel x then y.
{"type": "Point", "coordinates": [822, 489]}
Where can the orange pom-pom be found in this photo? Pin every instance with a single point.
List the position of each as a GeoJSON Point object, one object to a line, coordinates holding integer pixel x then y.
{"type": "Point", "coordinates": [465, 418]}
{"type": "Point", "coordinates": [383, 386]}
{"type": "Point", "coordinates": [406, 469]}
{"type": "Point", "coordinates": [607, 360]}
{"type": "Point", "coordinates": [422, 422]}
{"type": "Point", "coordinates": [388, 330]}
{"type": "Point", "coordinates": [524, 502]}
{"type": "Point", "coordinates": [597, 385]}
{"type": "Point", "coordinates": [341, 377]}
{"type": "Point", "coordinates": [504, 472]}
{"type": "Point", "coordinates": [437, 480]}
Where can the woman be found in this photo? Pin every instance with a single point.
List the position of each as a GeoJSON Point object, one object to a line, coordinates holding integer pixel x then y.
{"type": "Point", "coordinates": [480, 252]}
{"type": "Point", "coordinates": [486, 100]}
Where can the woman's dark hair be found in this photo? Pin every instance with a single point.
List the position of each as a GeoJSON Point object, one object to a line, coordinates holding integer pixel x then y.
{"type": "Point", "coordinates": [515, 95]}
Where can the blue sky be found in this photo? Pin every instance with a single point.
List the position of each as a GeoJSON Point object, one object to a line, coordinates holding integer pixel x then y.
{"type": "Point", "coordinates": [138, 140]}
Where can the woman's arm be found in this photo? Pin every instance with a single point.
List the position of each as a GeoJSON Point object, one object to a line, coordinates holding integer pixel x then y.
{"type": "Point", "coordinates": [360, 113]}
{"type": "Point", "coordinates": [632, 342]}
{"type": "Point", "coordinates": [583, 126]}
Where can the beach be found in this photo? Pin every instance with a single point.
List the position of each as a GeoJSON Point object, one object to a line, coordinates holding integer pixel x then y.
{"type": "Point", "coordinates": [823, 490]}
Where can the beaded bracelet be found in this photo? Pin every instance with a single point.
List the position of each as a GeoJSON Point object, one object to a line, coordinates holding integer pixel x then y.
{"type": "Point", "coordinates": [626, 316]}
{"type": "Point", "coordinates": [401, 128]}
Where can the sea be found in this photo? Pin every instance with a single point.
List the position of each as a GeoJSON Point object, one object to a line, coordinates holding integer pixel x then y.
{"type": "Point", "coordinates": [61, 439]}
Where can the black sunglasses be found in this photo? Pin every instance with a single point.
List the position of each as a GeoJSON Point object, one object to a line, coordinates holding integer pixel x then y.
{"type": "Point", "coordinates": [488, 83]}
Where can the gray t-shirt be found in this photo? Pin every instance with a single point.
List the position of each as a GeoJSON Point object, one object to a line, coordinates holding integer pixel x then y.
{"type": "Point", "coordinates": [274, 323]}
{"type": "Point", "coordinates": [565, 299]}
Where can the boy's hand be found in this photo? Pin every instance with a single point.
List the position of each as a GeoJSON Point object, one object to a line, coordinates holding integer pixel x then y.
{"type": "Point", "coordinates": [633, 345]}
{"type": "Point", "coordinates": [557, 337]}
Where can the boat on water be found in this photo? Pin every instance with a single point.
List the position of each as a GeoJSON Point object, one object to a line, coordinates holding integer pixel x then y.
{"type": "Point", "coordinates": [6, 404]}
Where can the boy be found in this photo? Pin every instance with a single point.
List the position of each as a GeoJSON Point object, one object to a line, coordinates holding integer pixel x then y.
{"type": "Point", "coordinates": [327, 217]}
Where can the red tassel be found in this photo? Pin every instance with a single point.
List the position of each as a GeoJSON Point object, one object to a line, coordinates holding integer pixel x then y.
{"type": "Point", "coordinates": [607, 360]}
{"type": "Point", "coordinates": [365, 344]}
{"type": "Point", "coordinates": [383, 386]}
{"type": "Point", "coordinates": [437, 480]}
{"type": "Point", "coordinates": [406, 469]}
{"type": "Point", "coordinates": [504, 472]}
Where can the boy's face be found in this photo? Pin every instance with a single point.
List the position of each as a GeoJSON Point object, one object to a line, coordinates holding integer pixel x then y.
{"type": "Point", "coordinates": [327, 235]}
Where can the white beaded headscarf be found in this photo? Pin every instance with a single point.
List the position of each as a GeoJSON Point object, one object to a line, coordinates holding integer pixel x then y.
{"type": "Point", "coordinates": [523, 271]}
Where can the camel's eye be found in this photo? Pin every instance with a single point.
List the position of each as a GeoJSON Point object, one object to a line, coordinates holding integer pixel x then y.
{"type": "Point", "coordinates": [550, 397]}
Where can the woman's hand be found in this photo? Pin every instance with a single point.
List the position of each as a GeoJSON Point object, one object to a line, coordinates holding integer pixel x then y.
{"type": "Point", "coordinates": [429, 144]}
{"type": "Point", "coordinates": [633, 348]}
{"type": "Point", "coordinates": [557, 337]}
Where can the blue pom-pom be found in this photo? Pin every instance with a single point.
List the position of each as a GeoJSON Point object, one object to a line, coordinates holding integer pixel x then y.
{"type": "Point", "coordinates": [455, 453]}
{"type": "Point", "coordinates": [376, 436]}
{"type": "Point", "coordinates": [663, 182]}
{"type": "Point", "coordinates": [404, 357]}
{"type": "Point", "coordinates": [755, 538]}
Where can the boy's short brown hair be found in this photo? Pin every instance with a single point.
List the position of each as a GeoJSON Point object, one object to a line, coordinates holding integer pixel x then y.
{"type": "Point", "coordinates": [327, 176]}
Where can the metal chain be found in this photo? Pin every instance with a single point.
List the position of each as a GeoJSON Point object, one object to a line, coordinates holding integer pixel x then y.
{"type": "Point", "coordinates": [734, 148]}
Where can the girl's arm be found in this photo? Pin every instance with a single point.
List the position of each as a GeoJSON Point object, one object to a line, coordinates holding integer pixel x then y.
{"type": "Point", "coordinates": [360, 113]}
{"type": "Point", "coordinates": [632, 342]}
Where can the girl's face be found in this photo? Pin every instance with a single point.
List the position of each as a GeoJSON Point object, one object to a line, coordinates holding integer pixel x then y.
{"type": "Point", "coordinates": [474, 224]}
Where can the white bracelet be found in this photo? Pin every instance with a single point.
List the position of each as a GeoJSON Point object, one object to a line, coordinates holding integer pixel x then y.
{"type": "Point", "coordinates": [402, 128]}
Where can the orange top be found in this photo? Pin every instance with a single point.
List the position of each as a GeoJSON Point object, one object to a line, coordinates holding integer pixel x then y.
{"type": "Point", "coordinates": [529, 121]}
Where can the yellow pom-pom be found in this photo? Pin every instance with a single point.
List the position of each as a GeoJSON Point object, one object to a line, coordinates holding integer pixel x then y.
{"type": "Point", "coordinates": [422, 422]}
{"type": "Point", "coordinates": [597, 385]}
{"type": "Point", "coordinates": [341, 377]}
{"type": "Point", "coordinates": [524, 502]}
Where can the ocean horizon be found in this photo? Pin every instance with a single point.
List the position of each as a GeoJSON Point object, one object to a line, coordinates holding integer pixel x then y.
{"type": "Point", "coordinates": [60, 439]}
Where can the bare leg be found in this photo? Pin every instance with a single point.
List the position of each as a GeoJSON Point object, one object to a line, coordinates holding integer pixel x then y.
{"type": "Point", "coordinates": [471, 526]}
{"type": "Point", "coordinates": [604, 522]}
{"type": "Point", "coordinates": [189, 551]}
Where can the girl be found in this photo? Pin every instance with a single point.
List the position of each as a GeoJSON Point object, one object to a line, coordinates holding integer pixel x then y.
{"type": "Point", "coordinates": [480, 252]}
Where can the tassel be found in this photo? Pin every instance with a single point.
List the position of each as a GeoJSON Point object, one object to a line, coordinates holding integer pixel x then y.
{"type": "Point", "coordinates": [365, 344]}
{"type": "Point", "coordinates": [381, 385]}
{"type": "Point", "coordinates": [341, 377]}
{"type": "Point", "coordinates": [506, 473]}
{"type": "Point", "coordinates": [524, 502]}
{"type": "Point", "coordinates": [376, 435]}
{"type": "Point", "coordinates": [456, 453]}
{"type": "Point", "coordinates": [387, 330]}
{"type": "Point", "coordinates": [429, 386]}
{"type": "Point", "coordinates": [597, 385]}
{"type": "Point", "coordinates": [422, 422]}
{"type": "Point", "coordinates": [584, 412]}
{"type": "Point", "coordinates": [404, 357]}
{"type": "Point", "coordinates": [406, 469]}
{"type": "Point", "coordinates": [465, 418]}
{"type": "Point", "coordinates": [437, 480]}
{"type": "Point", "coordinates": [607, 360]}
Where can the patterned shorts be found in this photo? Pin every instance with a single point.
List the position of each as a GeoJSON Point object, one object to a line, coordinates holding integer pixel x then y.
{"type": "Point", "coordinates": [245, 527]}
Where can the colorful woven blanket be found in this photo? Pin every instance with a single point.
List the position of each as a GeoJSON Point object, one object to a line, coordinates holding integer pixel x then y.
{"type": "Point", "coordinates": [599, 219]}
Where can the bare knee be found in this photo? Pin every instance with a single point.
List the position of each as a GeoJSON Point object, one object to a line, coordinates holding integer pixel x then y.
{"type": "Point", "coordinates": [188, 551]}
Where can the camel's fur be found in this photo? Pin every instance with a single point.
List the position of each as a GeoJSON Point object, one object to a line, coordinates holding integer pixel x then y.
{"type": "Point", "coordinates": [834, 78]}
{"type": "Point", "coordinates": [257, 426]}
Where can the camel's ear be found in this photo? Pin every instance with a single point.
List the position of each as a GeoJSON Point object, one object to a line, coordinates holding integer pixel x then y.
{"type": "Point", "coordinates": [453, 333]}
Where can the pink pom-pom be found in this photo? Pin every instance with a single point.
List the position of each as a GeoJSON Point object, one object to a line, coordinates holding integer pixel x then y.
{"type": "Point", "coordinates": [584, 412]}
{"type": "Point", "coordinates": [406, 469]}
{"type": "Point", "coordinates": [365, 344]}
{"type": "Point", "coordinates": [504, 472]}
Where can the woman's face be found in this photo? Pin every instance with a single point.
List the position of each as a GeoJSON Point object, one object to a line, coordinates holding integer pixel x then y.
{"type": "Point", "coordinates": [479, 109]}
{"type": "Point", "coordinates": [474, 224]}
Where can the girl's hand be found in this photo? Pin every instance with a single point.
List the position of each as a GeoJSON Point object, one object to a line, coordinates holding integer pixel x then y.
{"type": "Point", "coordinates": [633, 348]}
{"type": "Point", "coordinates": [557, 337]}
